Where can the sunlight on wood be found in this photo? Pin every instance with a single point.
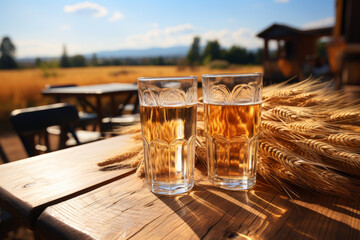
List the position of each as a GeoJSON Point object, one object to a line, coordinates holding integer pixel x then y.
{"type": "Point", "coordinates": [348, 208]}
{"type": "Point", "coordinates": [264, 209]}
{"type": "Point", "coordinates": [243, 236]}
{"type": "Point", "coordinates": [245, 206]}
{"type": "Point", "coordinates": [295, 228]}
{"type": "Point", "coordinates": [335, 215]}
{"type": "Point", "coordinates": [207, 204]}
{"type": "Point", "coordinates": [282, 211]}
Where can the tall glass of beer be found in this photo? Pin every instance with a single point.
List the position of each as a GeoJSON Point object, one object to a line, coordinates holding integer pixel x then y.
{"type": "Point", "coordinates": [168, 123]}
{"type": "Point", "coordinates": [232, 115]}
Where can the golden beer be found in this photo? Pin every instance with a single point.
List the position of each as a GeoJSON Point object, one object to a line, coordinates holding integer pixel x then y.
{"type": "Point", "coordinates": [232, 133]}
{"type": "Point", "coordinates": [169, 145]}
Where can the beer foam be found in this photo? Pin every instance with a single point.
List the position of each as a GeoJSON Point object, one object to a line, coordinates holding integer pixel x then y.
{"type": "Point", "coordinates": [239, 103]}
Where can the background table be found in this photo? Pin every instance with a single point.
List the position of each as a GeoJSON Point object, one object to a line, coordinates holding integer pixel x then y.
{"type": "Point", "coordinates": [99, 91]}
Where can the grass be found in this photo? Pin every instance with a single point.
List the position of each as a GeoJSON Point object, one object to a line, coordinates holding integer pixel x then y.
{"type": "Point", "coordinates": [22, 88]}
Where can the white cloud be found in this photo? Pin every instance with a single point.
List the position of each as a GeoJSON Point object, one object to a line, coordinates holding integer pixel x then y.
{"type": "Point", "coordinates": [116, 16]}
{"type": "Point", "coordinates": [170, 36]}
{"type": "Point", "coordinates": [40, 48]}
{"type": "Point", "coordinates": [65, 27]}
{"type": "Point", "coordinates": [178, 35]}
{"type": "Point", "coordinates": [179, 29]}
{"type": "Point", "coordinates": [220, 35]}
{"type": "Point", "coordinates": [35, 48]}
{"type": "Point", "coordinates": [94, 8]}
{"type": "Point", "coordinates": [184, 34]}
{"type": "Point", "coordinates": [243, 37]}
{"type": "Point", "coordinates": [281, 1]}
{"type": "Point", "coordinates": [325, 22]}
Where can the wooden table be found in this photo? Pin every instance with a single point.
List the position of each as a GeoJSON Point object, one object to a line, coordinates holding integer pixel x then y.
{"type": "Point", "coordinates": [99, 91]}
{"type": "Point", "coordinates": [64, 195]}
{"type": "Point", "coordinates": [28, 186]}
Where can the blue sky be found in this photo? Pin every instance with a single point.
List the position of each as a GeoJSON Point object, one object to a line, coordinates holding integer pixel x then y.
{"type": "Point", "coordinates": [41, 28]}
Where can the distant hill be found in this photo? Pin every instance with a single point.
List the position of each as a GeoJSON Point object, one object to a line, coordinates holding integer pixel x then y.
{"type": "Point", "coordinates": [178, 51]}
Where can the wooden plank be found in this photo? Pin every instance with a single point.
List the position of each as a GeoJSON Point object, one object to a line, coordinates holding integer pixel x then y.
{"type": "Point", "coordinates": [126, 209]}
{"type": "Point", "coordinates": [28, 186]}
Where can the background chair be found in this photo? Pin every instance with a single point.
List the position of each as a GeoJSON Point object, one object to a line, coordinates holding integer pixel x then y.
{"type": "Point", "coordinates": [3, 155]}
{"type": "Point", "coordinates": [129, 108]}
{"type": "Point", "coordinates": [32, 124]}
{"type": "Point", "coordinates": [128, 114]}
{"type": "Point", "coordinates": [85, 118]}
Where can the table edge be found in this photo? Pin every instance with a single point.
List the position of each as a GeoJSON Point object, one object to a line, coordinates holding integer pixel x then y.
{"type": "Point", "coordinates": [14, 206]}
{"type": "Point", "coordinates": [45, 223]}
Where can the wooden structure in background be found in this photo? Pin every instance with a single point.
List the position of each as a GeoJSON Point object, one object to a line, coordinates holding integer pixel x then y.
{"type": "Point", "coordinates": [294, 47]}
{"type": "Point", "coordinates": [344, 50]}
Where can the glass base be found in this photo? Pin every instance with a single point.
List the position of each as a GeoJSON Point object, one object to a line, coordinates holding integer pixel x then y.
{"type": "Point", "coordinates": [234, 184]}
{"type": "Point", "coordinates": [170, 189]}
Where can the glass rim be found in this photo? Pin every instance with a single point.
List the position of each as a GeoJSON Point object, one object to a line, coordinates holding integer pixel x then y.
{"type": "Point", "coordinates": [255, 74]}
{"type": "Point", "coordinates": [191, 77]}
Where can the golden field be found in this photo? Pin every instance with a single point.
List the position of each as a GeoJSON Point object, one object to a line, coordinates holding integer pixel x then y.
{"type": "Point", "coordinates": [22, 88]}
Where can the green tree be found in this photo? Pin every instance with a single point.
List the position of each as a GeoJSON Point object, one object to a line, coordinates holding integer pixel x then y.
{"type": "Point", "coordinates": [250, 57]}
{"type": "Point", "coordinates": [212, 51]}
{"type": "Point", "coordinates": [64, 60]}
{"type": "Point", "coordinates": [94, 60]}
{"type": "Point", "coordinates": [38, 62]}
{"type": "Point", "coordinates": [193, 56]}
{"type": "Point", "coordinates": [259, 56]}
{"type": "Point", "coordinates": [7, 50]}
{"type": "Point", "coordinates": [78, 61]}
{"type": "Point", "coordinates": [159, 61]}
{"type": "Point", "coordinates": [237, 54]}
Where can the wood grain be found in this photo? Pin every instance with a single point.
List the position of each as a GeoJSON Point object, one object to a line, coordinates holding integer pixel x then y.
{"type": "Point", "coordinates": [126, 209]}
{"type": "Point", "coordinates": [28, 186]}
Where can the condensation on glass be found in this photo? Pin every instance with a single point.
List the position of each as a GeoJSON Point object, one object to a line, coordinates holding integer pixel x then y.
{"type": "Point", "coordinates": [232, 115]}
{"type": "Point", "coordinates": [168, 122]}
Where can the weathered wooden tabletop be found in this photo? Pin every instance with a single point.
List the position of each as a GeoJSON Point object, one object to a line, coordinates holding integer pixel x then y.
{"type": "Point", "coordinates": [126, 209]}
{"type": "Point", "coordinates": [65, 196]}
{"type": "Point", "coordinates": [28, 186]}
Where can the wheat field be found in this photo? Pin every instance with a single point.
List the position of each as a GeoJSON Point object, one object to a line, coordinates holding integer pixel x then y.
{"type": "Point", "coordinates": [22, 88]}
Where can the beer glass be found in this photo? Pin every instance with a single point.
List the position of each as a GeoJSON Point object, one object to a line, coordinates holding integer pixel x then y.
{"type": "Point", "coordinates": [168, 123]}
{"type": "Point", "coordinates": [232, 114]}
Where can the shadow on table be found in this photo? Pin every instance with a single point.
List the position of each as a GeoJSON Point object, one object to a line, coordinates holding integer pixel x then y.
{"type": "Point", "coordinates": [11, 229]}
{"type": "Point", "coordinates": [263, 213]}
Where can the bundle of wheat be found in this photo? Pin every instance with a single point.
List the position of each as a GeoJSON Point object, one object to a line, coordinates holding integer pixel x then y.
{"type": "Point", "coordinates": [310, 138]}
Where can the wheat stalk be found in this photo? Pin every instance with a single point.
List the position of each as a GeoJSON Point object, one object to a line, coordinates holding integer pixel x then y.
{"type": "Point", "coordinates": [285, 113]}
{"type": "Point", "coordinates": [310, 138]}
{"type": "Point", "coordinates": [117, 158]}
{"type": "Point", "coordinates": [351, 128]}
{"type": "Point", "coordinates": [347, 161]}
{"type": "Point", "coordinates": [345, 117]}
{"type": "Point", "coordinates": [348, 140]}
